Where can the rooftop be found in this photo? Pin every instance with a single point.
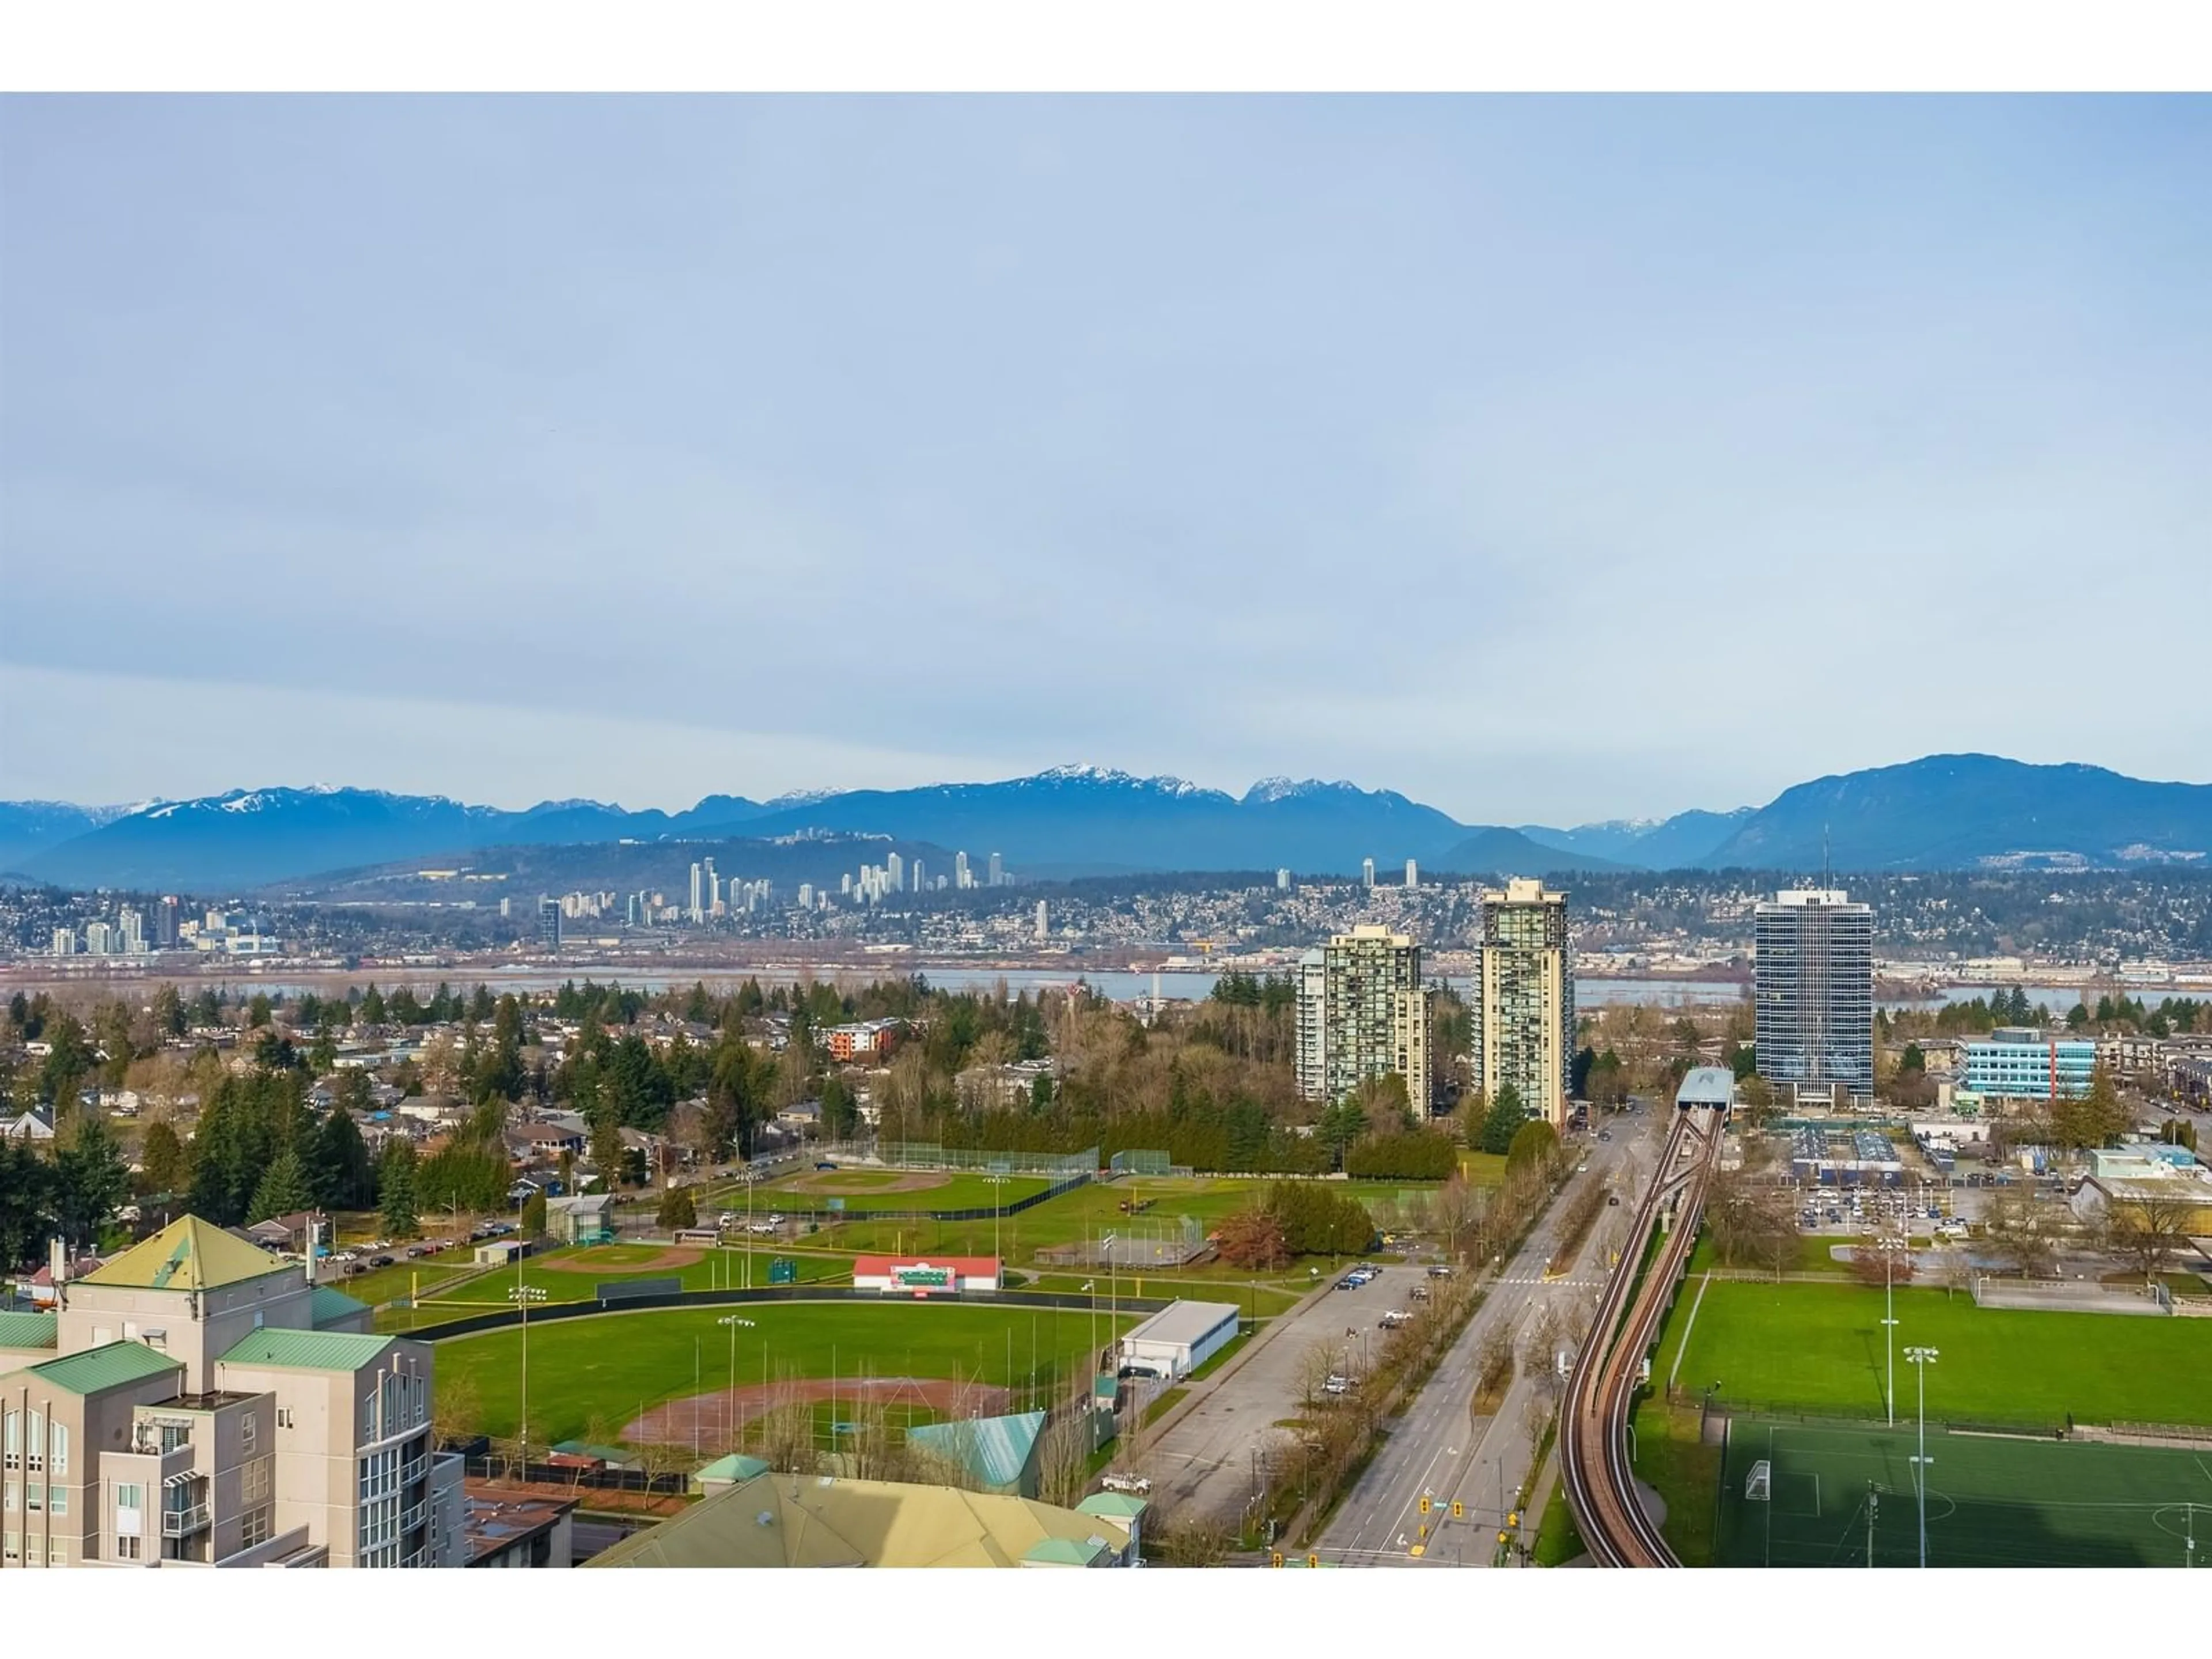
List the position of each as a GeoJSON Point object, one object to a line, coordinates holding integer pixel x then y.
{"type": "Point", "coordinates": [109, 1366]}
{"type": "Point", "coordinates": [1185, 1322]}
{"type": "Point", "coordinates": [307, 1351]}
{"type": "Point", "coordinates": [188, 1254]}
{"type": "Point", "coordinates": [995, 1450]}
{"type": "Point", "coordinates": [27, 1330]}
{"type": "Point", "coordinates": [808, 1521]}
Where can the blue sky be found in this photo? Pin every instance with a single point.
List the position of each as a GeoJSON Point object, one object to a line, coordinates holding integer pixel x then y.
{"type": "Point", "coordinates": [1545, 460]}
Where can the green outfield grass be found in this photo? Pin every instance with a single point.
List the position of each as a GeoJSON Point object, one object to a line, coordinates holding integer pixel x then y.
{"type": "Point", "coordinates": [609, 1368]}
{"type": "Point", "coordinates": [863, 1190]}
{"type": "Point", "coordinates": [1820, 1348]}
{"type": "Point", "coordinates": [716, 1269]}
{"type": "Point", "coordinates": [1086, 1212]}
{"type": "Point", "coordinates": [1990, 1503]}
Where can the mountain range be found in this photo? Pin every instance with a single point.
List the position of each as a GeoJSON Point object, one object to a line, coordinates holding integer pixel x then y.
{"type": "Point", "coordinates": [1945, 812]}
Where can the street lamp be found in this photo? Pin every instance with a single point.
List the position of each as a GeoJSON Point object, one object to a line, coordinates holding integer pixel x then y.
{"type": "Point", "coordinates": [1924, 1358]}
{"type": "Point", "coordinates": [522, 1295]}
{"type": "Point", "coordinates": [733, 1324]}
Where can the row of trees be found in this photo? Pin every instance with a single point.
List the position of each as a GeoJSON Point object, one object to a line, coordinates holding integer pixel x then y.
{"type": "Point", "coordinates": [1295, 1218]}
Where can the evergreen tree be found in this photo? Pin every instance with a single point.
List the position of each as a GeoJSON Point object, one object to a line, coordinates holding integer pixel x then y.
{"type": "Point", "coordinates": [90, 1179]}
{"type": "Point", "coordinates": [28, 1201]}
{"type": "Point", "coordinates": [162, 1159]}
{"type": "Point", "coordinates": [217, 1165]}
{"type": "Point", "coordinates": [676, 1209]}
{"type": "Point", "coordinates": [395, 1188]}
{"type": "Point", "coordinates": [168, 1012]}
{"type": "Point", "coordinates": [840, 1114]}
{"type": "Point", "coordinates": [373, 1010]}
{"type": "Point", "coordinates": [533, 1215]}
{"type": "Point", "coordinates": [1506, 1117]}
{"type": "Point", "coordinates": [285, 1190]}
{"type": "Point", "coordinates": [340, 1169]}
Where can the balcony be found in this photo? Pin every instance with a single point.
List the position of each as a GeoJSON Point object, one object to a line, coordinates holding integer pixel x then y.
{"type": "Point", "coordinates": [182, 1523]}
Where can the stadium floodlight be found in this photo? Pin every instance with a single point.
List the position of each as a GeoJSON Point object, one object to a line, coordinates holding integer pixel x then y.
{"type": "Point", "coordinates": [1922, 1358]}
{"type": "Point", "coordinates": [733, 1323]}
{"type": "Point", "coordinates": [1889, 1244]}
{"type": "Point", "coordinates": [522, 1295]}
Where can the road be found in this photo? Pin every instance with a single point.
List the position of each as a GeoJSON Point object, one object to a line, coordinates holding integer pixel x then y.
{"type": "Point", "coordinates": [1435, 1447]}
{"type": "Point", "coordinates": [1205, 1462]}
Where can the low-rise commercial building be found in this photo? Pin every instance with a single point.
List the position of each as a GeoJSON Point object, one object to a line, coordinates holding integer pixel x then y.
{"type": "Point", "coordinates": [1180, 1338]}
{"type": "Point", "coordinates": [2022, 1063]}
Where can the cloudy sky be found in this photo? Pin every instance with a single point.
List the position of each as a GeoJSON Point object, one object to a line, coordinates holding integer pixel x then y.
{"type": "Point", "coordinates": [1544, 459]}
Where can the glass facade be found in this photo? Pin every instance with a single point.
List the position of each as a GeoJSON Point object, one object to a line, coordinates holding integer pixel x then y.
{"type": "Point", "coordinates": [1814, 991]}
{"type": "Point", "coordinates": [2022, 1065]}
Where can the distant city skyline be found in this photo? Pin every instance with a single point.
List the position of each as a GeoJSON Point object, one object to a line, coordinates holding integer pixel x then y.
{"type": "Point", "coordinates": [392, 443]}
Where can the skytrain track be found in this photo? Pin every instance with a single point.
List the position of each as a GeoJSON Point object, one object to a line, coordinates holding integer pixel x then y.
{"type": "Point", "coordinates": [1594, 1446]}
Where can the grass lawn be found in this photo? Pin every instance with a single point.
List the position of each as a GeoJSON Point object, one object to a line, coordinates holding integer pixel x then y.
{"type": "Point", "coordinates": [1085, 1212]}
{"type": "Point", "coordinates": [1820, 1348]}
{"type": "Point", "coordinates": [869, 1189]}
{"type": "Point", "coordinates": [1684, 1472]}
{"type": "Point", "coordinates": [1812, 1257]}
{"type": "Point", "coordinates": [1483, 1169]}
{"type": "Point", "coordinates": [1557, 1541]}
{"type": "Point", "coordinates": [609, 1368]}
{"type": "Point", "coordinates": [616, 1263]}
{"type": "Point", "coordinates": [382, 1284]}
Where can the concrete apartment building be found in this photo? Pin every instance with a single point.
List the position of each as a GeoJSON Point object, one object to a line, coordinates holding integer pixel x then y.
{"type": "Point", "coordinates": [1524, 1013]}
{"type": "Point", "coordinates": [1362, 1013]}
{"type": "Point", "coordinates": [198, 1402]}
{"type": "Point", "coordinates": [1813, 995]}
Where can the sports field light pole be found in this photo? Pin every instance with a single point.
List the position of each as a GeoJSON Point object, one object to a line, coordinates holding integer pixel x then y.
{"type": "Point", "coordinates": [733, 1324]}
{"type": "Point", "coordinates": [998, 1208]}
{"type": "Point", "coordinates": [1888, 1247]}
{"type": "Point", "coordinates": [1924, 1358]}
{"type": "Point", "coordinates": [522, 1295]}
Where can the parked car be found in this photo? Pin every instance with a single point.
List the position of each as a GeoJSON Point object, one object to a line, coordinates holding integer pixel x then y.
{"type": "Point", "coordinates": [1419, 1293]}
{"type": "Point", "coordinates": [1124, 1480]}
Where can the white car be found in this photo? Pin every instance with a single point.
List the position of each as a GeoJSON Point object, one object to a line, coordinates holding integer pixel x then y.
{"type": "Point", "coordinates": [1122, 1480]}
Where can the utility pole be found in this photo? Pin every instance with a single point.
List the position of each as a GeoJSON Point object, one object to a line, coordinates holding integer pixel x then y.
{"type": "Point", "coordinates": [732, 1324]}
{"type": "Point", "coordinates": [1874, 1510]}
{"type": "Point", "coordinates": [1924, 1358]}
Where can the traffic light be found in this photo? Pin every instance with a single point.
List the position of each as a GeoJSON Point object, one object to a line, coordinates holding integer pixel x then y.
{"type": "Point", "coordinates": [1514, 1519]}
{"type": "Point", "coordinates": [1459, 1510]}
{"type": "Point", "coordinates": [1275, 1559]}
{"type": "Point", "coordinates": [1313, 1561]}
{"type": "Point", "coordinates": [1425, 1504]}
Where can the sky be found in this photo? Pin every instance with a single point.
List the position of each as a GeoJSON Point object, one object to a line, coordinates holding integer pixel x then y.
{"type": "Point", "coordinates": [1545, 459]}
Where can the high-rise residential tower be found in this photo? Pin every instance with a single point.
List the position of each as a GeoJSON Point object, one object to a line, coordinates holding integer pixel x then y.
{"type": "Point", "coordinates": [1367, 872]}
{"type": "Point", "coordinates": [549, 925]}
{"type": "Point", "coordinates": [1362, 1013]}
{"type": "Point", "coordinates": [1525, 1009]}
{"type": "Point", "coordinates": [997, 872]}
{"type": "Point", "coordinates": [1413, 875]}
{"type": "Point", "coordinates": [1812, 998]}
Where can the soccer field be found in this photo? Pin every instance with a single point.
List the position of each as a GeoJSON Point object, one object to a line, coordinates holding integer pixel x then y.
{"type": "Point", "coordinates": [1992, 1502]}
{"type": "Point", "coordinates": [1821, 1348]}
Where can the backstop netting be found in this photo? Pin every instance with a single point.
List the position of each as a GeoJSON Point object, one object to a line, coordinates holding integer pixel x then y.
{"type": "Point", "coordinates": [1141, 1163]}
{"type": "Point", "coordinates": [1169, 1242]}
{"type": "Point", "coordinates": [929, 1155]}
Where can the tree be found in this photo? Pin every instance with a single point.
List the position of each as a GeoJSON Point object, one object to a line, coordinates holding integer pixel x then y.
{"type": "Point", "coordinates": [533, 1214]}
{"type": "Point", "coordinates": [1879, 1267]}
{"type": "Point", "coordinates": [1504, 1121]}
{"type": "Point", "coordinates": [676, 1209]}
{"type": "Point", "coordinates": [161, 1158]}
{"type": "Point", "coordinates": [258, 1010]}
{"type": "Point", "coordinates": [395, 1188]}
{"type": "Point", "coordinates": [2013, 1226]}
{"type": "Point", "coordinates": [2148, 1231]}
{"type": "Point", "coordinates": [285, 1190]}
{"type": "Point", "coordinates": [841, 1115]}
{"type": "Point", "coordinates": [27, 1203]}
{"type": "Point", "coordinates": [340, 1169]}
{"type": "Point", "coordinates": [168, 1012]}
{"type": "Point", "coordinates": [1253, 1238]}
{"type": "Point", "coordinates": [90, 1178]}
{"type": "Point", "coordinates": [1534, 1145]}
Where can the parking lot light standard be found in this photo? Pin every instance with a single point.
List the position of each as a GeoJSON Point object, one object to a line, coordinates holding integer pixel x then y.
{"type": "Point", "coordinates": [1924, 1358]}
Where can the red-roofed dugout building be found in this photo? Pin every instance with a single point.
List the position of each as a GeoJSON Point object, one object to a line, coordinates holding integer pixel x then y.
{"type": "Point", "coordinates": [917, 1276]}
